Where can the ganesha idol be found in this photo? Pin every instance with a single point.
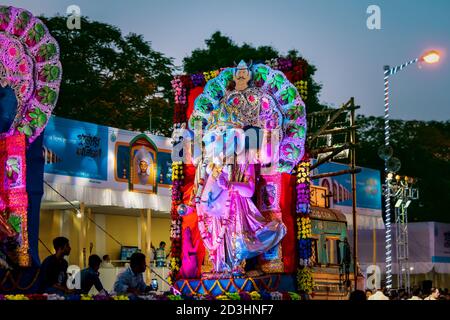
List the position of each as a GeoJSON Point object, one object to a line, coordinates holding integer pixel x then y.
{"type": "Point", "coordinates": [237, 182]}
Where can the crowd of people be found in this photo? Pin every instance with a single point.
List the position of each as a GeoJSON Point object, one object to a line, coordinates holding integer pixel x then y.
{"type": "Point", "coordinates": [53, 275]}
{"type": "Point", "coordinates": [53, 278]}
{"type": "Point", "coordinates": [401, 294]}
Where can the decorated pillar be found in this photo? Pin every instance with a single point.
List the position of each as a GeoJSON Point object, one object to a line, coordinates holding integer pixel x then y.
{"type": "Point", "coordinates": [30, 67]}
{"type": "Point", "coordinates": [14, 198]}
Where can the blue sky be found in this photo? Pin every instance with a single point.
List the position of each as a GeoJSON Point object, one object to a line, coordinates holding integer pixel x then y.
{"type": "Point", "coordinates": [331, 34]}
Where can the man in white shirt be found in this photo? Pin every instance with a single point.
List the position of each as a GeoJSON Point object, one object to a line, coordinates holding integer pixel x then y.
{"type": "Point", "coordinates": [106, 263]}
{"type": "Point", "coordinates": [379, 295]}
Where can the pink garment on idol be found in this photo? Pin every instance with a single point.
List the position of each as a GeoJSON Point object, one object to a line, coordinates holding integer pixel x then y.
{"type": "Point", "coordinates": [247, 234]}
{"type": "Point", "coordinates": [189, 259]}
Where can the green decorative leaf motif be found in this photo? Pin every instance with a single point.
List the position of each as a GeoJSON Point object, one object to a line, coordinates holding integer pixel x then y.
{"type": "Point", "coordinates": [284, 166]}
{"type": "Point", "coordinates": [47, 51]}
{"type": "Point", "coordinates": [22, 20]}
{"type": "Point", "coordinates": [39, 29]}
{"type": "Point", "coordinates": [26, 129]}
{"type": "Point", "coordinates": [15, 222]}
{"type": "Point", "coordinates": [48, 95]}
{"type": "Point", "coordinates": [37, 32]}
{"type": "Point", "coordinates": [51, 72]}
{"type": "Point", "coordinates": [277, 81]}
{"type": "Point", "coordinates": [215, 90]}
{"type": "Point", "coordinates": [289, 95]}
{"type": "Point", "coordinates": [203, 105]}
{"type": "Point", "coordinates": [39, 118]}
{"type": "Point", "coordinates": [261, 73]}
{"type": "Point", "coordinates": [12, 165]}
{"type": "Point", "coordinates": [296, 112]}
{"type": "Point", "coordinates": [227, 75]}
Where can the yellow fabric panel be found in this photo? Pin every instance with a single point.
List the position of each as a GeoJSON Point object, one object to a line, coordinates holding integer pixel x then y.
{"type": "Point", "coordinates": [160, 231]}
{"type": "Point", "coordinates": [124, 229]}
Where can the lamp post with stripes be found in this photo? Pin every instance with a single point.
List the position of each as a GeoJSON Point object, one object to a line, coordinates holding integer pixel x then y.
{"type": "Point", "coordinates": [429, 57]}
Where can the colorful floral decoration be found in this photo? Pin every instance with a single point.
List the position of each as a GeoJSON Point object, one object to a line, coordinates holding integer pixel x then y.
{"type": "Point", "coordinates": [13, 192]}
{"type": "Point", "coordinates": [243, 295]}
{"type": "Point", "coordinates": [275, 75]}
{"type": "Point", "coordinates": [270, 81]}
{"type": "Point", "coordinates": [303, 209]}
{"type": "Point", "coordinates": [303, 212]}
{"type": "Point", "coordinates": [175, 229]}
{"type": "Point", "coordinates": [305, 280]}
{"type": "Point", "coordinates": [29, 64]}
{"type": "Point", "coordinates": [302, 87]}
{"type": "Point", "coordinates": [180, 85]}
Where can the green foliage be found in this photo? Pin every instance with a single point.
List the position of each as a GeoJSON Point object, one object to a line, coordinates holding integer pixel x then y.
{"type": "Point", "coordinates": [222, 52]}
{"type": "Point", "coordinates": [112, 79]}
{"type": "Point", "coordinates": [424, 151]}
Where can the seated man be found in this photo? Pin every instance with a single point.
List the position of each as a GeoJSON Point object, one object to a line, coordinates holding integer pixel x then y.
{"type": "Point", "coordinates": [107, 262]}
{"type": "Point", "coordinates": [53, 275]}
{"type": "Point", "coordinates": [90, 276]}
{"type": "Point", "coordinates": [131, 280]}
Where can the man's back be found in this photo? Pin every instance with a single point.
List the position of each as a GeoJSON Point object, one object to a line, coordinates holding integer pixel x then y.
{"type": "Point", "coordinates": [89, 278]}
{"type": "Point", "coordinates": [53, 271]}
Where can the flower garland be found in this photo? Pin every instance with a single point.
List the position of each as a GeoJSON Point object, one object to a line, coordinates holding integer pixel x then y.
{"type": "Point", "coordinates": [242, 296]}
{"type": "Point", "coordinates": [180, 97]}
{"type": "Point", "coordinates": [304, 273]}
{"type": "Point", "coordinates": [296, 71]}
{"type": "Point", "coordinates": [302, 87]}
{"type": "Point", "coordinates": [175, 229]}
{"type": "Point", "coordinates": [305, 280]}
{"type": "Point", "coordinates": [303, 212]}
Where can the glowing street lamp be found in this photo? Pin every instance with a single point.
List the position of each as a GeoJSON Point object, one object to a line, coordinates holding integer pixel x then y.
{"type": "Point", "coordinates": [431, 57]}
{"type": "Point", "coordinates": [390, 165]}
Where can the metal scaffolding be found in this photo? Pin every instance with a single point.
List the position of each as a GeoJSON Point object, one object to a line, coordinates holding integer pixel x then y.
{"type": "Point", "coordinates": [403, 192]}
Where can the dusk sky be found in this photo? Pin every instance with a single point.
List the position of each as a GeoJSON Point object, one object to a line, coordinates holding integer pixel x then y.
{"type": "Point", "coordinates": [332, 35]}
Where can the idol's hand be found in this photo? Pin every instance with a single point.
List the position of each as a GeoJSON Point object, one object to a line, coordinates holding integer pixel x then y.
{"type": "Point", "coordinates": [223, 182]}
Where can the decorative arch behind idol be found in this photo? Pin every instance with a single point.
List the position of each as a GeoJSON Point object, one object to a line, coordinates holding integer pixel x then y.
{"type": "Point", "coordinates": [270, 102]}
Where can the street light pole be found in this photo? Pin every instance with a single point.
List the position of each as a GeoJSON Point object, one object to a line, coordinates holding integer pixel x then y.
{"type": "Point", "coordinates": [387, 199]}
{"type": "Point", "coordinates": [429, 57]}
